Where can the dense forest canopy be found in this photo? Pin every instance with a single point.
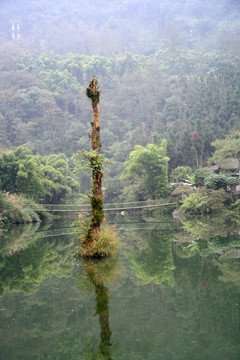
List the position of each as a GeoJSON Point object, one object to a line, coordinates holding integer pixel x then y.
{"type": "Point", "coordinates": [167, 70]}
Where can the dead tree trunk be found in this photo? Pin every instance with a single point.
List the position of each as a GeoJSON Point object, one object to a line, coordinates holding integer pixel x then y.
{"type": "Point", "coordinates": [96, 199]}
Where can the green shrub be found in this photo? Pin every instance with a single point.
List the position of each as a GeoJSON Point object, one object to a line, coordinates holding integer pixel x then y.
{"type": "Point", "coordinates": [205, 202]}
{"type": "Point", "coordinates": [15, 210]}
{"type": "Point", "coordinates": [181, 173]}
{"type": "Point", "coordinates": [236, 206]}
{"type": "Point", "coordinates": [215, 181]}
{"type": "Point", "coordinates": [199, 177]}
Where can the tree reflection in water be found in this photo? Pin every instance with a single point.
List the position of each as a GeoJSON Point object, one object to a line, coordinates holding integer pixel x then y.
{"type": "Point", "coordinates": [95, 274]}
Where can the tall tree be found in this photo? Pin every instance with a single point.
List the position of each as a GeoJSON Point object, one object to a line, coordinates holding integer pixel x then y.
{"type": "Point", "coordinates": [149, 164]}
{"type": "Point", "coordinates": [93, 93]}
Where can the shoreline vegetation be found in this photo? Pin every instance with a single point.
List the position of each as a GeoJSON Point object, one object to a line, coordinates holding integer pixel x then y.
{"type": "Point", "coordinates": [207, 201]}
{"type": "Point", "coordinates": [206, 191]}
{"type": "Point", "coordinates": [15, 209]}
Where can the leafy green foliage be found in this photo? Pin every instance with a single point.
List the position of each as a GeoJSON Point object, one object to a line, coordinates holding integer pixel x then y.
{"type": "Point", "coordinates": [199, 177]}
{"type": "Point", "coordinates": [94, 159]}
{"type": "Point", "coordinates": [205, 202]}
{"type": "Point", "coordinates": [16, 210]}
{"type": "Point", "coordinates": [47, 116]}
{"type": "Point", "coordinates": [48, 180]}
{"type": "Point", "coordinates": [150, 164]}
{"type": "Point", "coordinates": [181, 173]}
{"type": "Point", "coordinates": [215, 181]}
{"type": "Point", "coordinates": [229, 147]}
{"type": "Point", "coordinates": [236, 206]}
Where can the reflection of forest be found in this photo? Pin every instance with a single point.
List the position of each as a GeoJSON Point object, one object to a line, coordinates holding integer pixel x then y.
{"type": "Point", "coordinates": [169, 300]}
{"type": "Point", "coordinates": [25, 268]}
{"type": "Point", "coordinates": [154, 261]}
{"type": "Point", "coordinates": [218, 236]}
{"type": "Point", "coordinates": [205, 227]}
{"type": "Point", "coordinates": [17, 238]}
{"type": "Point", "coordinates": [198, 300]}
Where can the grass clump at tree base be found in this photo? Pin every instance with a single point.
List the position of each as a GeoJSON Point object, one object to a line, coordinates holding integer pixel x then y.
{"type": "Point", "coordinates": [103, 243]}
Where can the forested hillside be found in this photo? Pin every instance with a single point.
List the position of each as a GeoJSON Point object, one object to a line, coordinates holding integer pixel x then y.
{"type": "Point", "coordinates": [167, 69]}
{"type": "Point", "coordinates": [107, 27]}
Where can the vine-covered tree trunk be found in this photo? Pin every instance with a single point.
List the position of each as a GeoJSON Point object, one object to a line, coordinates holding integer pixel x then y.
{"type": "Point", "coordinates": [96, 199]}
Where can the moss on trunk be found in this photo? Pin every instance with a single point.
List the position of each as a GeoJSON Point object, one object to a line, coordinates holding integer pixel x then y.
{"type": "Point", "coordinates": [96, 242]}
{"type": "Point", "coordinates": [96, 202]}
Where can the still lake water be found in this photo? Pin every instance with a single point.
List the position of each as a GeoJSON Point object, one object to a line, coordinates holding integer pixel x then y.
{"type": "Point", "coordinates": [173, 293]}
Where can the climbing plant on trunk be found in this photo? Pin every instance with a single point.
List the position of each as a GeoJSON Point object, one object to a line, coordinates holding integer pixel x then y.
{"type": "Point", "coordinates": [96, 201]}
{"type": "Point", "coordinates": [96, 242]}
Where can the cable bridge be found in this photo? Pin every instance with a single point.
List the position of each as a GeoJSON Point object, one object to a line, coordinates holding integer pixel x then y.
{"type": "Point", "coordinates": [112, 208]}
{"type": "Point", "coordinates": [117, 207]}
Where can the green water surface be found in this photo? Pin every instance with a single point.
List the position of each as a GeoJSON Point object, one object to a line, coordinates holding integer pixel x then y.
{"type": "Point", "coordinates": [172, 293]}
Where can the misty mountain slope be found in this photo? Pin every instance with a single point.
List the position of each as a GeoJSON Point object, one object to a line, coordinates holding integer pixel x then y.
{"type": "Point", "coordinates": [106, 27]}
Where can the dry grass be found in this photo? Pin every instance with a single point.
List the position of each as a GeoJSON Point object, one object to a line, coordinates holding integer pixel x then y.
{"type": "Point", "coordinates": [104, 243]}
